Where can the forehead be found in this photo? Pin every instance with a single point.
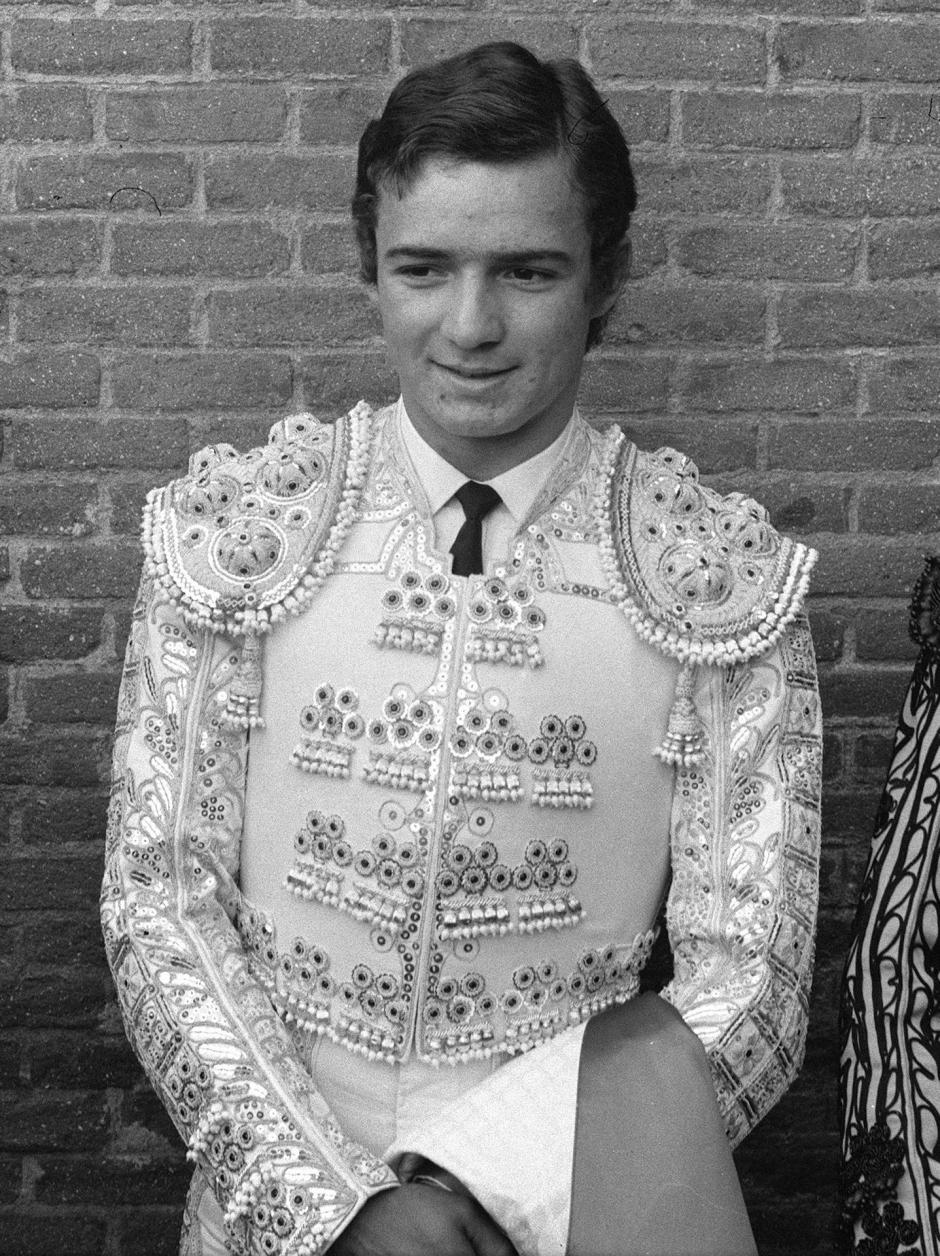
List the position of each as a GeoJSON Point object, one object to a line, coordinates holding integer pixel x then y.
{"type": "Point", "coordinates": [460, 205]}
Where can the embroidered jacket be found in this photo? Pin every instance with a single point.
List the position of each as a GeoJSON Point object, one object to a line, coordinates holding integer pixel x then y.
{"type": "Point", "coordinates": [453, 838]}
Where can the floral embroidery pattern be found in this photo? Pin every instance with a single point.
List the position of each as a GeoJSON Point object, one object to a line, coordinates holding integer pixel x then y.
{"type": "Point", "coordinates": [409, 727]}
{"type": "Point", "coordinates": [869, 1185]}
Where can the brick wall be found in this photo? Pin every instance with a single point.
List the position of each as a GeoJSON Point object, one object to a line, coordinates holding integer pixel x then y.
{"type": "Point", "coordinates": [177, 268]}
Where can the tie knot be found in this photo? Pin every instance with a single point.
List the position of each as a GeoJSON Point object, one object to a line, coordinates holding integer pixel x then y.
{"type": "Point", "coordinates": [477, 499]}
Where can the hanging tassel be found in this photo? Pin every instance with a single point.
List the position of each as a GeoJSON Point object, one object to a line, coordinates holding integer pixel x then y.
{"type": "Point", "coordinates": [682, 745]}
{"type": "Point", "coordinates": [243, 703]}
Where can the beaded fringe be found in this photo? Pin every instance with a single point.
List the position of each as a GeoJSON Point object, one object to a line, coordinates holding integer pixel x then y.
{"type": "Point", "coordinates": [682, 746]}
{"type": "Point", "coordinates": [243, 700]}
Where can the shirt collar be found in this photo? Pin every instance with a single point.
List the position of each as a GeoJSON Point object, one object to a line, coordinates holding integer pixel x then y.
{"type": "Point", "coordinates": [518, 487]}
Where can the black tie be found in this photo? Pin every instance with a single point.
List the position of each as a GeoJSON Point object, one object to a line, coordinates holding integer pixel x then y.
{"type": "Point", "coordinates": [467, 550]}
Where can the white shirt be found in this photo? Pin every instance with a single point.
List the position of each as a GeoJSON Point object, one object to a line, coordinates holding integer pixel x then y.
{"type": "Point", "coordinates": [518, 488]}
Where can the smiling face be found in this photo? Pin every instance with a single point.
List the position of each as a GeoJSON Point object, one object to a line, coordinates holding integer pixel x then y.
{"type": "Point", "coordinates": [484, 288]}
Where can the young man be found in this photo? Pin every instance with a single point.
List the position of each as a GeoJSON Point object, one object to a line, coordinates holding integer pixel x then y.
{"type": "Point", "coordinates": [504, 680]}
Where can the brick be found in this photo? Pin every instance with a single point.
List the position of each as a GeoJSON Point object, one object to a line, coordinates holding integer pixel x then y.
{"type": "Point", "coordinates": [894, 508]}
{"type": "Point", "coordinates": [50, 379]}
{"type": "Point", "coordinates": [854, 445]}
{"type": "Point", "coordinates": [229, 249]}
{"type": "Point", "coordinates": [99, 46]}
{"type": "Point", "coordinates": [76, 698]}
{"type": "Point", "coordinates": [285, 47]}
{"type": "Point", "coordinates": [631, 384]}
{"type": "Point", "coordinates": [908, 118]}
{"type": "Point", "coordinates": [873, 753]}
{"type": "Point", "coordinates": [333, 382]}
{"type": "Point", "coordinates": [801, 506]}
{"type": "Point", "coordinates": [201, 381]}
{"type": "Point", "coordinates": [82, 571]}
{"type": "Point", "coordinates": [807, 384]}
{"type": "Point", "coordinates": [833, 757]}
{"type": "Point", "coordinates": [125, 314]}
{"type": "Point", "coordinates": [703, 185]}
{"type": "Point", "coordinates": [43, 1121]}
{"type": "Point", "coordinates": [687, 314]}
{"type": "Point", "coordinates": [648, 51]}
{"type": "Point", "coordinates": [883, 187]}
{"type": "Point", "coordinates": [80, 1060]}
{"type": "Point", "coordinates": [112, 1180]}
{"type": "Point", "coordinates": [828, 630]}
{"type": "Point", "coordinates": [328, 248]}
{"type": "Point", "coordinates": [322, 181]}
{"type": "Point", "coordinates": [904, 384]}
{"type": "Point", "coordinates": [48, 936]}
{"type": "Point", "coordinates": [93, 445]}
{"type": "Point", "coordinates": [151, 1231]}
{"type": "Point", "coordinates": [48, 509]}
{"type": "Point", "coordinates": [43, 758]}
{"type": "Point", "coordinates": [900, 250]}
{"type": "Point", "coordinates": [879, 316]}
{"type": "Point", "coordinates": [60, 815]}
{"type": "Point", "coordinates": [127, 503]}
{"type": "Point", "coordinates": [825, 8]}
{"type": "Point", "coordinates": [286, 315]}
{"type": "Point", "coordinates": [715, 445]}
{"type": "Point", "coordinates": [860, 52]}
{"type": "Point", "coordinates": [866, 567]}
{"type": "Point", "coordinates": [337, 113]}
{"type": "Point", "coordinates": [51, 1235]}
{"type": "Point", "coordinates": [49, 884]}
{"type": "Point", "coordinates": [106, 181]}
{"type": "Point", "coordinates": [4, 694]}
{"type": "Point", "coordinates": [50, 112]}
{"type": "Point", "coordinates": [643, 115]}
{"type": "Point", "coordinates": [245, 431]}
{"type": "Point", "coordinates": [45, 632]}
{"type": "Point", "coordinates": [426, 39]}
{"type": "Point", "coordinates": [11, 1178]}
{"type": "Point", "coordinates": [649, 249]}
{"type": "Point", "coordinates": [851, 815]}
{"type": "Point", "coordinates": [48, 247]}
{"type": "Point", "coordinates": [65, 997]}
{"type": "Point", "coordinates": [768, 251]}
{"type": "Point", "coordinates": [200, 115]}
{"type": "Point", "coordinates": [868, 692]}
{"type": "Point", "coordinates": [782, 120]}
{"type": "Point", "coordinates": [884, 635]}
{"type": "Point", "coordinates": [4, 563]}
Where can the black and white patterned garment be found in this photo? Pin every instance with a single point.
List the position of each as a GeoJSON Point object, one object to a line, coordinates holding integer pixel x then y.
{"type": "Point", "coordinates": [890, 1070]}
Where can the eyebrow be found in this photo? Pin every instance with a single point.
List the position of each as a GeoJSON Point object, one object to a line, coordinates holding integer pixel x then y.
{"type": "Point", "coordinates": [504, 259]}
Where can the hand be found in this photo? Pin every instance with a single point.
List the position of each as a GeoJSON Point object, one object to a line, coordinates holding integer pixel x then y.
{"type": "Point", "coordinates": [416, 1219]}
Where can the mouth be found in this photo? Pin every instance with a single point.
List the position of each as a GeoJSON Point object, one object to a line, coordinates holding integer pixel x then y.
{"type": "Point", "coordinates": [473, 374]}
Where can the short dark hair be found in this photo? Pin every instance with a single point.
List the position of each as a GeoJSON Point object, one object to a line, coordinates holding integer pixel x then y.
{"type": "Point", "coordinates": [499, 103]}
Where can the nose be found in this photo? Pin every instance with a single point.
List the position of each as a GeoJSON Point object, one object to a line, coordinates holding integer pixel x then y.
{"type": "Point", "coordinates": [473, 317]}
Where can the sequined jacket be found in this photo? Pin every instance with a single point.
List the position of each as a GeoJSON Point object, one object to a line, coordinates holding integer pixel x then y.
{"type": "Point", "coordinates": [465, 796]}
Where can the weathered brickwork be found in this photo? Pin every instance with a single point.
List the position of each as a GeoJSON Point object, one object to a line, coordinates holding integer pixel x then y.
{"type": "Point", "coordinates": [176, 267]}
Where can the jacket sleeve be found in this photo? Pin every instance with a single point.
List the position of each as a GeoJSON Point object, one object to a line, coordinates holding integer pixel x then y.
{"type": "Point", "coordinates": [215, 1051]}
{"type": "Point", "coordinates": [745, 850]}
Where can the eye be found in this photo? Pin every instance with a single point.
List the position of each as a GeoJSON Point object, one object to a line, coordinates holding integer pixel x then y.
{"type": "Point", "coordinates": [530, 276]}
{"type": "Point", "coordinates": [419, 272]}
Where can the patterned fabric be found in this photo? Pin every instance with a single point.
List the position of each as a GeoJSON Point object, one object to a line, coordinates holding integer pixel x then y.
{"type": "Point", "coordinates": [890, 1074]}
{"type": "Point", "coordinates": [222, 983]}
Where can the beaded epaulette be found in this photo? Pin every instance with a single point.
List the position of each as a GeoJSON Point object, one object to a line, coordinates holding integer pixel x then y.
{"type": "Point", "coordinates": [244, 539]}
{"type": "Point", "coordinates": [702, 576]}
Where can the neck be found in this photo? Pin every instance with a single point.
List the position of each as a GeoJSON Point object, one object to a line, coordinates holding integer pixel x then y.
{"type": "Point", "coordinates": [483, 458]}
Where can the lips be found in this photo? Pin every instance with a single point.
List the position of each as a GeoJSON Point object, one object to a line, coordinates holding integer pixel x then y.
{"type": "Point", "coordinates": [473, 372]}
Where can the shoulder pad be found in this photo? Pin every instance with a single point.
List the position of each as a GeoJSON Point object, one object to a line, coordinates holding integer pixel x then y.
{"type": "Point", "coordinates": [704, 577]}
{"type": "Point", "coordinates": [243, 539]}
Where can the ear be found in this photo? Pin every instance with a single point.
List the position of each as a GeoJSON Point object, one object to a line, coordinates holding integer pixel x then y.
{"type": "Point", "coordinates": [612, 282]}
